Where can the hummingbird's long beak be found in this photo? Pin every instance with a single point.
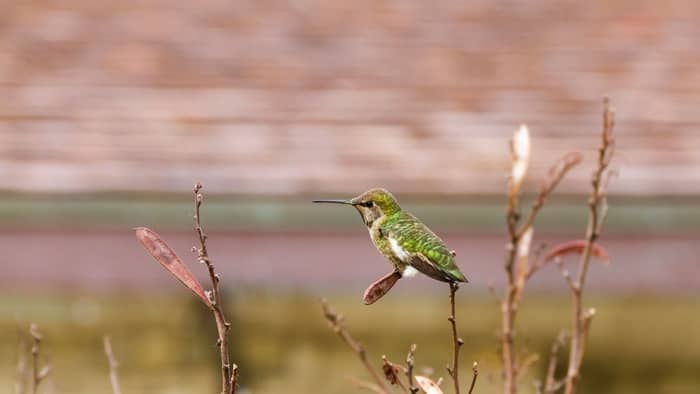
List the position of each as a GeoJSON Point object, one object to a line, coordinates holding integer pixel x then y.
{"type": "Point", "coordinates": [346, 202]}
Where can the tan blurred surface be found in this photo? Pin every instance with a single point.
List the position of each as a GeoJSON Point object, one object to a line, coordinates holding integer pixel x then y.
{"type": "Point", "coordinates": [290, 97]}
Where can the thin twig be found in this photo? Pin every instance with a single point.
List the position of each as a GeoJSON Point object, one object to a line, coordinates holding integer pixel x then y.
{"type": "Point", "coordinates": [556, 173]}
{"type": "Point", "coordinates": [595, 215]}
{"type": "Point", "coordinates": [113, 365]}
{"type": "Point", "coordinates": [526, 364]}
{"type": "Point", "coordinates": [391, 373]}
{"type": "Point", "coordinates": [228, 378]}
{"type": "Point", "coordinates": [508, 304]}
{"type": "Point", "coordinates": [550, 380]}
{"type": "Point", "coordinates": [520, 147]}
{"type": "Point", "coordinates": [566, 275]}
{"type": "Point", "coordinates": [21, 377]}
{"type": "Point", "coordinates": [37, 375]}
{"type": "Point", "coordinates": [516, 279]}
{"type": "Point", "coordinates": [335, 321]}
{"type": "Point", "coordinates": [475, 374]}
{"type": "Point", "coordinates": [410, 360]}
{"type": "Point", "coordinates": [366, 385]}
{"type": "Point", "coordinates": [456, 341]}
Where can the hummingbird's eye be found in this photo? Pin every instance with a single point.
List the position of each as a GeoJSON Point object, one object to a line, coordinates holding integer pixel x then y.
{"type": "Point", "coordinates": [370, 204]}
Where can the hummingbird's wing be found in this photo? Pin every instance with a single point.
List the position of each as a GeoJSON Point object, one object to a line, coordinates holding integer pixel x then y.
{"type": "Point", "coordinates": [421, 248]}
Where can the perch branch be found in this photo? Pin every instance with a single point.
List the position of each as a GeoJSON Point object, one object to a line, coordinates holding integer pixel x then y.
{"type": "Point", "coordinates": [335, 321]}
{"type": "Point", "coordinates": [595, 217]}
{"type": "Point", "coordinates": [456, 341]}
{"type": "Point", "coordinates": [228, 377]}
{"type": "Point", "coordinates": [113, 365]}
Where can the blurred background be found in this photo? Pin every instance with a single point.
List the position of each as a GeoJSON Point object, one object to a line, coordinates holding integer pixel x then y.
{"type": "Point", "coordinates": [111, 111]}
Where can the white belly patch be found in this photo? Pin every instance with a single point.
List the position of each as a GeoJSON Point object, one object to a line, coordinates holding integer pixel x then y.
{"type": "Point", "coordinates": [400, 252]}
{"type": "Point", "coordinates": [404, 256]}
{"type": "Point", "coordinates": [409, 272]}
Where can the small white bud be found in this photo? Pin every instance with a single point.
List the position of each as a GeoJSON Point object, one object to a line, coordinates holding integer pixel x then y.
{"type": "Point", "coordinates": [521, 155]}
{"type": "Point", "coordinates": [524, 244]}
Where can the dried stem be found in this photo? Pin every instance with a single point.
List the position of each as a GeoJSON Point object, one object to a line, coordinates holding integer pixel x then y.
{"type": "Point", "coordinates": [556, 173]}
{"type": "Point", "coordinates": [550, 381]}
{"type": "Point", "coordinates": [335, 321]}
{"type": "Point", "coordinates": [228, 372]}
{"type": "Point", "coordinates": [21, 377]}
{"type": "Point", "coordinates": [475, 374]}
{"type": "Point", "coordinates": [518, 234]}
{"type": "Point", "coordinates": [508, 304]}
{"type": "Point", "coordinates": [410, 359]}
{"type": "Point", "coordinates": [391, 373]}
{"type": "Point", "coordinates": [456, 342]}
{"type": "Point", "coordinates": [113, 365]}
{"type": "Point", "coordinates": [526, 364]}
{"type": "Point", "coordinates": [596, 210]}
{"type": "Point", "coordinates": [38, 375]}
{"type": "Point", "coordinates": [366, 385]}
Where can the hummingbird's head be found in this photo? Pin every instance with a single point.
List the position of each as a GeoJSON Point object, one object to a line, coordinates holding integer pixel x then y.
{"type": "Point", "coordinates": [372, 204]}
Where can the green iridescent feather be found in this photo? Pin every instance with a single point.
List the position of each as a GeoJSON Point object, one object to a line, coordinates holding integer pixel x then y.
{"type": "Point", "coordinates": [418, 240]}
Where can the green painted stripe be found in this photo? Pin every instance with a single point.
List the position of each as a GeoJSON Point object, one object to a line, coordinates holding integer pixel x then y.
{"type": "Point", "coordinates": [221, 212]}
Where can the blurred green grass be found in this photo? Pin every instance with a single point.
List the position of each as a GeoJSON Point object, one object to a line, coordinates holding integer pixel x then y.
{"type": "Point", "coordinates": [165, 342]}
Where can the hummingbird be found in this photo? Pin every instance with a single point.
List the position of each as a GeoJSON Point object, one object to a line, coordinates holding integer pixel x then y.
{"type": "Point", "coordinates": [408, 244]}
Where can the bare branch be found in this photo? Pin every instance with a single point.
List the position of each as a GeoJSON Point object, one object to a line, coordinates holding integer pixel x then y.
{"type": "Point", "coordinates": [38, 375]}
{"type": "Point", "coordinates": [335, 321]}
{"type": "Point", "coordinates": [391, 373]}
{"type": "Point", "coordinates": [365, 385]}
{"type": "Point", "coordinates": [456, 342]}
{"type": "Point", "coordinates": [409, 369]}
{"type": "Point", "coordinates": [550, 380]}
{"type": "Point", "coordinates": [475, 374]}
{"type": "Point", "coordinates": [596, 208]}
{"type": "Point", "coordinates": [22, 370]}
{"type": "Point", "coordinates": [556, 173]}
{"type": "Point", "coordinates": [567, 276]}
{"type": "Point", "coordinates": [228, 378]}
{"type": "Point", "coordinates": [492, 291]}
{"type": "Point", "coordinates": [518, 235]}
{"type": "Point", "coordinates": [162, 253]}
{"type": "Point", "coordinates": [526, 364]}
{"type": "Point", "coordinates": [113, 365]}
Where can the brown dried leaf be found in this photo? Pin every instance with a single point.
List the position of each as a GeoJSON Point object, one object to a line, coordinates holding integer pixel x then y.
{"type": "Point", "coordinates": [391, 371]}
{"type": "Point", "coordinates": [163, 254]}
{"type": "Point", "coordinates": [427, 385]}
{"type": "Point", "coordinates": [576, 246]}
{"type": "Point", "coordinates": [377, 289]}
